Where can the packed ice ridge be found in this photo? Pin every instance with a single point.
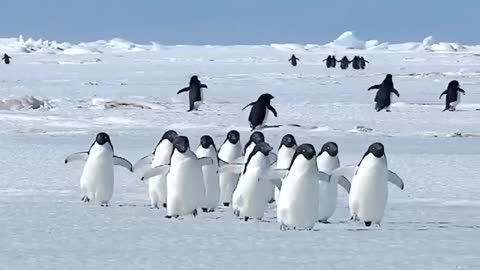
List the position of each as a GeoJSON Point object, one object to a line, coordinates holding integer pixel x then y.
{"type": "Point", "coordinates": [347, 40]}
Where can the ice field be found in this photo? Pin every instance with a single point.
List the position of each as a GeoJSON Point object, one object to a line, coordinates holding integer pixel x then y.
{"type": "Point", "coordinates": [54, 99]}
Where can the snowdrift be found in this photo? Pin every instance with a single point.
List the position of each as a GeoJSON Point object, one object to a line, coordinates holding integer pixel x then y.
{"type": "Point", "coordinates": [23, 103]}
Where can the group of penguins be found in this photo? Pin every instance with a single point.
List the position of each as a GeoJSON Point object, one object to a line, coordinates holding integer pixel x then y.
{"type": "Point", "coordinates": [262, 106]}
{"type": "Point", "coordinates": [301, 181]}
{"type": "Point", "coordinates": [358, 62]}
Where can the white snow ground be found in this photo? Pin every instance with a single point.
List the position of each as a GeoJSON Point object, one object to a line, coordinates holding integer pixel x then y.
{"type": "Point", "coordinates": [129, 93]}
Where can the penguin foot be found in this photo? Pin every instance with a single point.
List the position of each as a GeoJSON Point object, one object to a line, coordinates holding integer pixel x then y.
{"type": "Point", "coordinates": [368, 223]}
{"type": "Point", "coordinates": [195, 213]}
{"type": "Point", "coordinates": [226, 204]}
{"type": "Point", "coordinates": [245, 218]}
{"type": "Point", "coordinates": [83, 198]}
{"type": "Point", "coordinates": [86, 199]}
{"type": "Point", "coordinates": [154, 206]}
{"type": "Point", "coordinates": [104, 205]}
{"type": "Point", "coordinates": [452, 109]}
{"type": "Point", "coordinates": [388, 110]}
{"type": "Point", "coordinates": [355, 218]}
{"type": "Point", "coordinates": [211, 210]}
{"type": "Point", "coordinates": [169, 217]}
{"type": "Point", "coordinates": [271, 200]}
{"type": "Point", "coordinates": [283, 227]}
{"type": "Point", "coordinates": [327, 222]}
{"type": "Point", "coordinates": [204, 210]}
{"type": "Point", "coordinates": [236, 212]}
{"type": "Point", "coordinates": [164, 205]}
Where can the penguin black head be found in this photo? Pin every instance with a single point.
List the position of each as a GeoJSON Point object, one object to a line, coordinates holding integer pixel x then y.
{"type": "Point", "coordinates": [329, 57]}
{"type": "Point", "coordinates": [453, 84]}
{"type": "Point", "coordinates": [206, 141]}
{"type": "Point", "coordinates": [376, 149]}
{"type": "Point", "coordinates": [102, 138]}
{"type": "Point", "coordinates": [263, 148]}
{"type": "Point", "coordinates": [181, 143]}
{"type": "Point", "coordinates": [257, 137]}
{"type": "Point", "coordinates": [388, 78]}
{"type": "Point", "coordinates": [233, 136]}
{"type": "Point", "coordinates": [194, 79]}
{"type": "Point", "coordinates": [169, 135]}
{"type": "Point", "coordinates": [307, 150]}
{"type": "Point", "coordinates": [331, 148]}
{"type": "Point", "coordinates": [265, 97]}
{"type": "Point", "coordinates": [289, 141]}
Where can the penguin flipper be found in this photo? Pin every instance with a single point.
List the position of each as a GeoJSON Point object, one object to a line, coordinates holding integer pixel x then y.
{"type": "Point", "coordinates": [270, 107]}
{"type": "Point", "coordinates": [376, 86]}
{"type": "Point", "coordinates": [461, 90]}
{"type": "Point", "coordinates": [277, 182]}
{"type": "Point", "coordinates": [231, 168]}
{"type": "Point", "coordinates": [273, 158]}
{"type": "Point", "coordinates": [205, 161]}
{"type": "Point", "coordinates": [395, 92]}
{"type": "Point", "coordinates": [80, 156]}
{"type": "Point", "coordinates": [159, 170]}
{"type": "Point", "coordinates": [396, 180]}
{"type": "Point", "coordinates": [323, 177]}
{"type": "Point", "coordinates": [143, 161]}
{"type": "Point", "coordinates": [443, 93]}
{"type": "Point", "coordinates": [343, 182]}
{"type": "Point", "coordinates": [122, 162]}
{"type": "Point", "coordinates": [250, 104]}
{"type": "Point", "coordinates": [183, 90]}
{"type": "Point", "coordinates": [203, 86]}
{"type": "Point", "coordinates": [346, 171]}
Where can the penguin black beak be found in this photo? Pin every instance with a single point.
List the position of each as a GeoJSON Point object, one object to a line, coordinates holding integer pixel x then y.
{"type": "Point", "coordinates": [102, 138]}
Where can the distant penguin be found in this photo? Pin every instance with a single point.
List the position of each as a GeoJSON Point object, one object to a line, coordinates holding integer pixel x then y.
{"type": "Point", "coordinates": [328, 61]}
{"type": "Point", "coordinates": [96, 182]}
{"type": "Point", "coordinates": [195, 93]}
{"type": "Point", "coordinates": [157, 185]}
{"type": "Point", "coordinates": [369, 190]}
{"type": "Point", "coordinates": [356, 62]}
{"type": "Point", "coordinates": [297, 205]}
{"type": "Point", "coordinates": [344, 62]}
{"type": "Point", "coordinates": [210, 173]}
{"type": "Point", "coordinates": [285, 155]}
{"type": "Point", "coordinates": [6, 58]}
{"type": "Point", "coordinates": [383, 96]}
{"type": "Point", "coordinates": [229, 152]}
{"type": "Point", "coordinates": [293, 60]}
{"type": "Point", "coordinates": [333, 61]}
{"type": "Point", "coordinates": [327, 162]}
{"type": "Point", "coordinates": [249, 198]}
{"type": "Point", "coordinates": [185, 187]}
{"type": "Point", "coordinates": [259, 112]}
{"type": "Point", "coordinates": [453, 95]}
{"type": "Point", "coordinates": [363, 62]}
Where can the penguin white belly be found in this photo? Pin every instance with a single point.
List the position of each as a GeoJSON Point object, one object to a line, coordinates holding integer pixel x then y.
{"type": "Point", "coordinates": [284, 159]}
{"type": "Point", "coordinates": [249, 196]}
{"type": "Point", "coordinates": [298, 202]}
{"type": "Point", "coordinates": [264, 122]}
{"type": "Point", "coordinates": [186, 191]}
{"type": "Point", "coordinates": [157, 185]}
{"type": "Point", "coordinates": [210, 178]}
{"type": "Point", "coordinates": [328, 191]}
{"type": "Point", "coordinates": [97, 177]}
{"type": "Point", "coordinates": [228, 181]}
{"type": "Point", "coordinates": [369, 192]}
{"type": "Point", "coordinates": [455, 103]}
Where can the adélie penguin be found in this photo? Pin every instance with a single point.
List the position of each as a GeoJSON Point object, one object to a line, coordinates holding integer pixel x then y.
{"type": "Point", "coordinates": [327, 161]}
{"type": "Point", "coordinates": [96, 182]}
{"type": "Point", "coordinates": [185, 188]}
{"type": "Point", "coordinates": [255, 138]}
{"type": "Point", "coordinates": [157, 185]}
{"type": "Point", "coordinates": [259, 113]}
{"type": "Point", "coordinates": [293, 60]}
{"type": "Point", "coordinates": [297, 205]}
{"type": "Point", "coordinates": [453, 95]}
{"type": "Point", "coordinates": [249, 198]}
{"type": "Point", "coordinates": [385, 90]}
{"type": "Point", "coordinates": [195, 93]}
{"type": "Point", "coordinates": [369, 190]}
{"type": "Point", "coordinates": [210, 173]}
{"type": "Point", "coordinates": [230, 152]}
{"type": "Point", "coordinates": [285, 155]}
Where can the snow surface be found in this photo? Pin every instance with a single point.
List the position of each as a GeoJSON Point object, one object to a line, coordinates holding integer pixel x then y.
{"type": "Point", "coordinates": [61, 100]}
